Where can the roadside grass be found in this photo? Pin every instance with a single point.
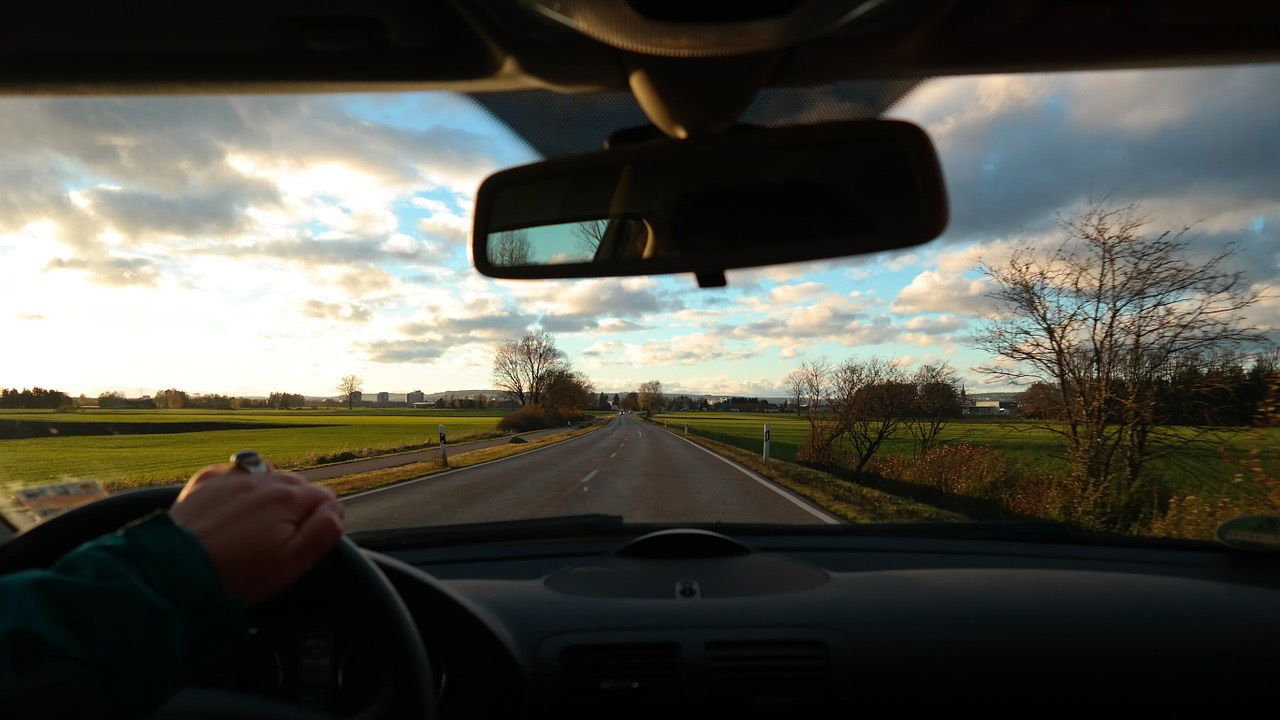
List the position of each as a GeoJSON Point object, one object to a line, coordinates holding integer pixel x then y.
{"type": "Point", "coordinates": [999, 469]}
{"type": "Point", "coordinates": [359, 482]}
{"type": "Point", "coordinates": [1208, 468]}
{"type": "Point", "coordinates": [309, 438]}
{"type": "Point", "coordinates": [854, 503]}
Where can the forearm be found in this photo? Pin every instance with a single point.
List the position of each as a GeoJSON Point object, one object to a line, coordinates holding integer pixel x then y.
{"type": "Point", "coordinates": [114, 626]}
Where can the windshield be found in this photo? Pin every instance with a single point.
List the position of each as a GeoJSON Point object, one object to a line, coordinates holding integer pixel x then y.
{"type": "Point", "coordinates": [1089, 343]}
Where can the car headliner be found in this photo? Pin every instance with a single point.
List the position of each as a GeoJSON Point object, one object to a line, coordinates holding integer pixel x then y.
{"type": "Point", "coordinates": [564, 92]}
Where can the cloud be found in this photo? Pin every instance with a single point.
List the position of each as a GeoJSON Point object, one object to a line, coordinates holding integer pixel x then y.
{"type": "Point", "coordinates": [402, 351]}
{"type": "Point", "coordinates": [470, 328]}
{"type": "Point", "coordinates": [831, 318]}
{"type": "Point", "coordinates": [1015, 149]}
{"type": "Point", "coordinates": [789, 294]}
{"type": "Point", "coordinates": [933, 291]}
{"type": "Point", "coordinates": [111, 270]}
{"type": "Point", "coordinates": [936, 325]}
{"type": "Point", "coordinates": [344, 312]}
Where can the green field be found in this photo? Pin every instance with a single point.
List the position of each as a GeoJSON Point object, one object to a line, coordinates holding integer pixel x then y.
{"type": "Point", "coordinates": [1208, 466]}
{"type": "Point", "coordinates": [291, 438]}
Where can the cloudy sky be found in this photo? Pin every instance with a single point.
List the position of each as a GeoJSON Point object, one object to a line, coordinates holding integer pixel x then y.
{"type": "Point", "coordinates": [251, 244]}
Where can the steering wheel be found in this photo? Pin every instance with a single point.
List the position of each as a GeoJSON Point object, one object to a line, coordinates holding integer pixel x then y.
{"type": "Point", "coordinates": [44, 544]}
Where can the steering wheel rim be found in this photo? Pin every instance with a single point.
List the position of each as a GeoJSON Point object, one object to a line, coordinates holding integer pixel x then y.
{"type": "Point", "coordinates": [45, 543]}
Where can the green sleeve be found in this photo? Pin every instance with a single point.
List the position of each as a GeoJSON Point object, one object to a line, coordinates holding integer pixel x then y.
{"type": "Point", "coordinates": [114, 626]}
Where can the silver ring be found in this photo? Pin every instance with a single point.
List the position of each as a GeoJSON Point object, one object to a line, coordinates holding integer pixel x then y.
{"type": "Point", "coordinates": [250, 461]}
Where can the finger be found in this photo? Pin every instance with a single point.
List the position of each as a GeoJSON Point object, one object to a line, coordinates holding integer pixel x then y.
{"type": "Point", "coordinates": [305, 500]}
{"type": "Point", "coordinates": [200, 477]}
{"type": "Point", "coordinates": [317, 534]}
{"type": "Point", "coordinates": [291, 478]}
{"type": "Point", "coordinates": [210, 471]}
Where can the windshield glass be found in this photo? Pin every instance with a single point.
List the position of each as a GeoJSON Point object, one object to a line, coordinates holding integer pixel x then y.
{"type": "Point", "coordinates": [1090, 341]}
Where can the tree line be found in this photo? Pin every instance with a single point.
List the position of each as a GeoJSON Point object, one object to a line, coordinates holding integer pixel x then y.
{"type": "Point", "coordinates": [34, 398]}
{"type": "Point", "coordinates": [855, 406]}
{"type": "Point", "coordinates": [171, 398]}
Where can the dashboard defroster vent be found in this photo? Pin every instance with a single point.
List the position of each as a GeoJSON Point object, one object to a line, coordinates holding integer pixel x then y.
{"type": "Point", "coordinates": [769, 673]}
{"type": "Point", "coordinates": [622, 673]}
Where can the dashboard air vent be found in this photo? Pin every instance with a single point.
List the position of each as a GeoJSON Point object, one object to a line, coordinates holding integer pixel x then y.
{"type": "Point", "coordinates": [770, 673]}
{"type": "Point", "coordinates": [630, 673]}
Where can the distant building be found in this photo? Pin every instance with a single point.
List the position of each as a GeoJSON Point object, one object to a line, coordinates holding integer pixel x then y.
{"type": "Point", "coordinates": [356, 397]}
{"type": "Point", "coordinates": [991, 407]}
{"type": "Point", "coordinates": [416, 396]}
{"type": "Point", "coordinates": [384, 397]}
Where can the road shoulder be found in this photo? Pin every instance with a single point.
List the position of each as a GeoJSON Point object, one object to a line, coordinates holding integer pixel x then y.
{"type": "Point", "coordinates": [829, 494]}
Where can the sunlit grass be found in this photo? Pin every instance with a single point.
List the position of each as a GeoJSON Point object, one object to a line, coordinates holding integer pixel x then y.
{"type": "Point", "coordinates": [315, 437]}
{"type": "Point", "coordinates": [1211, 465]}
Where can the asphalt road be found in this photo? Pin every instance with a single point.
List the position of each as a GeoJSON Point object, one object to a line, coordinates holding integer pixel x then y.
{"type": "Point", "coordinates": [629, 468]}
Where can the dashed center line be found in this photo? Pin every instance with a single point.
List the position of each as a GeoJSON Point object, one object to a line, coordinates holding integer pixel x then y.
{"type": "Point", "coordinates": [613, 456]}
{"type": "Point", "coordinates": [590, 475]}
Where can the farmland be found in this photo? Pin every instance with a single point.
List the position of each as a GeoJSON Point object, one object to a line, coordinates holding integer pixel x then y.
{"type": "Point", "coordinates": [128, 448]}
{"type": "Point", "coordinates": [1204, 467]}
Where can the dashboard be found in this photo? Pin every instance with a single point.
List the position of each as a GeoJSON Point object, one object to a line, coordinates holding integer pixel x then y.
{"type": "Point", "coordinates": [687, 621]}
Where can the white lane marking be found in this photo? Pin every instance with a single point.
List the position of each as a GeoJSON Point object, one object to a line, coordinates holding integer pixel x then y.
{"type": "Point", "coordinates": [613, 456]}
{"type": "Point", "coordinates": [624, 444]}
{"type": "Point", "coordinates": [824, 517]}
{"type": "Point", "coordinates": [590, 475]}
{"type": "Point", "coordinates": [344, 498]}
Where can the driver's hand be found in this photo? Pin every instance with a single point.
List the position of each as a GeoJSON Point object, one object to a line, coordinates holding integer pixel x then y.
{"type": "Point", "coordinates": [261, 531]}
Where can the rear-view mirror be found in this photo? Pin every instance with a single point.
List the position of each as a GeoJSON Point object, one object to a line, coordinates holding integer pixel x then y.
{"type": "Point", "coordinates": [749, 198]}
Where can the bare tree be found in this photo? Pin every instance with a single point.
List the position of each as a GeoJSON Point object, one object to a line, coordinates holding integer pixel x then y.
{"type": "Point", "coordinates": [524, 367]}
{"type": "Point", "coordinates": [1100, 318]}
{"type": "Point", "coordinates": [815, 384]}
{"type": "Point", "coordinates": [794, 382]}
{"type": "Point", "coordinates": [650, 398]}
{"type": "Point", "coordinates": [349, 385]}
{"type": "Point", "coordinates": [589, 234]}
{"type": "Point", "coordinates": [510, 249]}
{"type": "Point", "coordinates": [870, 400]}
{"type": "Point", "coordinates": [935, 402]}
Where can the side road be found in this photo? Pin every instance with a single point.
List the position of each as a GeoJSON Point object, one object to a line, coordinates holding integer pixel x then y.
{"type": "Point", "coordinates": [351, 467]}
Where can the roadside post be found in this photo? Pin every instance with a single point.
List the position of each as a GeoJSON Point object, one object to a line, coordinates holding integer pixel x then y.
{"type": "Point", "coordinates": [444, 452]}
{"type": "Point", "coordinates": [766, 442]}
{"type": "Point", "coordinates": [686, 428]}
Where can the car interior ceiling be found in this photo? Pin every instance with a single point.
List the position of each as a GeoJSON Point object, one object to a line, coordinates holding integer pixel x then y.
{"type": "Point", "coordinates": [527, 618]}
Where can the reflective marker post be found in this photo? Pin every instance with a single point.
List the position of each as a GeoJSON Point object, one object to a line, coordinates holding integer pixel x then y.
{"type": "Point", "coordinates": [444, 452]}
{"type": "Point", "coordinates": [766, 442]}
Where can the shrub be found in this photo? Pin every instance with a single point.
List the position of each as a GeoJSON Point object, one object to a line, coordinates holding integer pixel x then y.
{"type": "Point", "coordinates": [537, 417]}
{"type": "Point", "coordinates": [964, 471]}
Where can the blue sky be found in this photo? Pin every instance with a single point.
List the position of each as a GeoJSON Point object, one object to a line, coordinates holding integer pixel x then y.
{"type": "Point", "coordinates": [253, 244]}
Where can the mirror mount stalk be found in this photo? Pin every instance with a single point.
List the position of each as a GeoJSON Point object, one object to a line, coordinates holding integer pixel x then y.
{"type": "Point", "coordinates": [688, 99]}
{"type": "Point", "coordinates": [711, 278]}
